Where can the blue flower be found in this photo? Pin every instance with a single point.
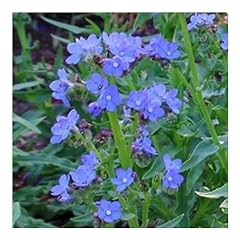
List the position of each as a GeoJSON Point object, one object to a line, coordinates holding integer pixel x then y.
{"type": "Point", "coordinates": [162, 48]}
{"type": "Point", "coordinates": [172, 164]}
{"type": "Point", "coordinates": [224, 41]}
{"type": "Point", "coordinates": [153, 111]}
{"type": "Point", "coordinates": [60, 87]}
{"type": "Point", "coordinates": [62, 128]}
{"type": "Point", "coordinates": [90, 160]}
{"type": "Point", "coordinates": [173, 102]}
{"type": "Point", "coordinates": [115, 66]}
{"type": "Point", "coordinates": [60, 190]}
{"type": "Point", "coordinates": [94, 109]}
{"type": "Point", "coordinates": [194, 22]}
{"type": "Point", "coordinates": [172, 179]}
{"type": "Point", "coordinates": [109, 211]}
{"type": "Point", "coordinates": [96, 84]}
{"type": "Point", "coordinates": [206, 19]}
{"type": "Point", "coordinates": [127, 47]}
{"type": "Point", "coordinates": [83, 176]}
{"type": "Point", "coordinates": [198, 20]}
{"type": "Point", "coordinates": [136, 100]}
{"type": "Point", "coordinates": [143, 143]}
{"type": "Point", "coordinates": [123, 179]}
{"type": "Point", "coordinates": [84, 48]}
{"type": "Point", "coordinates": [109, 99]}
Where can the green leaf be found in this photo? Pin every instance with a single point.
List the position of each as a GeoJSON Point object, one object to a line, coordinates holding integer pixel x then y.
{"type": "Point", "coordinates": [25, 123]}
{"type": "Point", "coordinates": [60, 39]}
{"type": "Point", "coordinates": [68, 27]}
{"type": "Point", "coordinates": [21, 86]}
{"type": "Point", "coordinates": [127, 216]}
{"type": "Point", "coordinates": [141, 19]}
{"type": "Point", "coordinates": [16, 212]}
{"type": "Point", "coordinates": [45, 159]}
{"type": "Point", "coordinates": [157, 166]}
{"type": "Point", "coordinates": [217, 193]}
{"type": "Point", "coordinates": [83, 219]}
{"type": "Point", "coordinates": [203, 150]}
{"type": "Point", "coordinates": [172, 223]}
{"type": "Point", "coordinates": [192, 176]}
{"type": "Point", "coordinates": [19, 152]}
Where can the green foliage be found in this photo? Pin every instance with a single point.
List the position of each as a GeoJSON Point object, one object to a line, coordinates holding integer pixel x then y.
{"type": "Point", "coordinates": [198, 135]}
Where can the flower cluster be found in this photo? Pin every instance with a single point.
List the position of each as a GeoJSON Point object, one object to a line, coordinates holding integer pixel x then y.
{"type": "Point", "coordinates": [109, 98]}
{"type": "Point", "coordinates": [83, 176]}
{"type": "Point", "coordinates": [172, 179]}
{"type": "Point", "coordinates": [60, 87]}
{"type": "Point", "coordinates": [84, 49]}
{"type": "Point", "coordinates": [151, 101]}
{"type": "Point", "coordinates": [198, 20]}
{"type": "Point", "coordinates": [143, 144]}
{"type": "Point", "coordinates": [62, 128]}
{"type": "Point", "coordinates": [161, 48]}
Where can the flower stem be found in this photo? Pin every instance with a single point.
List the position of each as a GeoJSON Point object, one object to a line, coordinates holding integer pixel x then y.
{"type": "Point", "coordinates": [196, 84]}
{"type": "Point", "coordinates": [123, 152]}
{"type": "Point", "coordinates": [145, 211]}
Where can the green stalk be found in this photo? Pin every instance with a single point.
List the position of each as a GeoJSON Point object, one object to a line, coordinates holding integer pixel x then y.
{"type": "Point", "coordinates": [133, 223]}
{"type": "Point", "coordinates": [196, 85]}
{"type": "Point", "coordinates": [123, 152]}
{"type": "Point", "coordinates": [146, 205]}
{"type": "Point", "coordinates": [20, 28]}
{"type": "Point", "coordinates": [133, 130]}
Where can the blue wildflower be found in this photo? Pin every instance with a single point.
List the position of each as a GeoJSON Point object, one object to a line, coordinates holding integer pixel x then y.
{"type": "Point", "coordinates": [136, 100]}
{"type": "Point", "coordinates": [198, 20]}
{"type": "Point", "coordinates": [62, 128]}
{"type": "Point", "coordinates": [109, 99]}
{"type": "Point", "coordinates": [172, 179]}
{"type": "Point", "coordinates": [127, 47]}
{"type": "Point", "coordinates": [143, 144]}
{"type": "Point", "coordinates": [173, 102]}
{"type": "Point", "coordinates": [172, 164]}
{"type": "Point", "coordinates": [94, 109]}
{"type": "Point", "coordinates": [109, 211]}
{"type": "Point", "coordinates": [96, 84]}
{"type": "Point", "coordinates": [84, 48]}
{"type": "Point", "coordinates": [157, 93]}
{"type": "Point", "coordinates": [115, 66]}
{"type": "Point", "coordinates": [194, 22]}
{"type": "Point", "coordinates": [153, 111]}
{"type": "Point", "coordinates": [124, 178]}
{"type": "Point", "coordinates": [60, 87]}
{"type": "Point", "coordinates": [206, 19]}
{"type": "Point", "coordinates": [83, 176]}
{"type": "Point", "coordinates": [90, 160]}
{"type": "Point", "coordinates": [160, 47]}
{"type": "Point", "coordinates": [60, 190]}
{"type": "Point", "coordinates": [224, 41]}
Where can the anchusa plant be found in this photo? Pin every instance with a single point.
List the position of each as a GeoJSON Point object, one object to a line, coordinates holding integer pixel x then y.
{"type": "Point", "coordinates": [120, 175]}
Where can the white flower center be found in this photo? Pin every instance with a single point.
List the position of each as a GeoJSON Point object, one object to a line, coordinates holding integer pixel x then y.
{"type": "Point", "coordinates": [168, 53]}
{"type": "Point", "coordinates": [138, 103]}
{"type": "Point", "coordinates": [124, 180]}
{"type": "Point", "coordinates": [108, 212]}
{"type": "Point", "coordinates": [170, 179]}
{"type": "Point", "coordinates": [121, 54]}
{"type": "Point", "coordinates": [150, 110]}
{"type": "Point", "coordinates": [115, 64]}
{"type": "Point", "coordinates": [108, 98]}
